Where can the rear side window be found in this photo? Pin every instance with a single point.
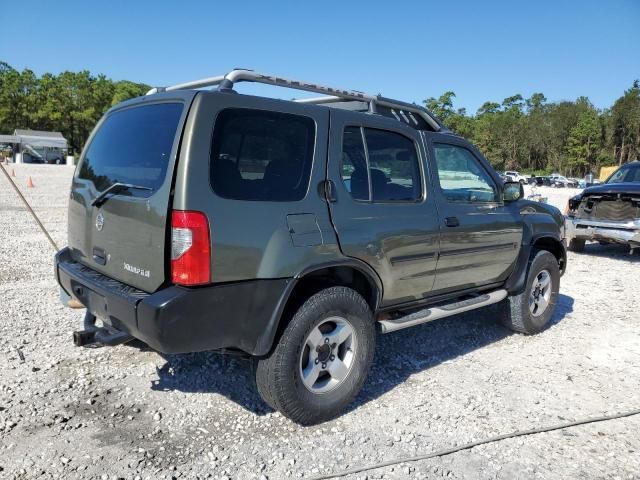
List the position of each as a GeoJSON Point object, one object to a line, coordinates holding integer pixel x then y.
{"type": "Point", "coordinates": [261, 155]}
{"type": "Point", "coordinates": [387, 165]}
{"type": "Point", "coordinates": [132, 146]}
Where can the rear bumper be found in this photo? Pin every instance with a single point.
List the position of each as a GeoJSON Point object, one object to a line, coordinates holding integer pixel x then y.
{"type": "Point", "coordinates": [618, 232]}
{"type": "Point", "coordinates": [241, 315]}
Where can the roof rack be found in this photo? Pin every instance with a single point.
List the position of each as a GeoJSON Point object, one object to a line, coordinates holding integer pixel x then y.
{"type": "Point", "coordinates": [402, 111]}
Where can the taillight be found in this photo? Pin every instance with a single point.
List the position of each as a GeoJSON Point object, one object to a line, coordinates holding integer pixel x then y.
{"type": "Point", "coordinates": [190, 248]}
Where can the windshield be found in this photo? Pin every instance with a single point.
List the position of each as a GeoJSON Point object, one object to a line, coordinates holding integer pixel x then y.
{"type": "Point", "coordinates": [132, 146]}
{"type": "Point", "coordinates": [627, 174]}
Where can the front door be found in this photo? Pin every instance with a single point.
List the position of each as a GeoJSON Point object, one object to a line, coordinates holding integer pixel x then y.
{"type": "Point", "coordinates": [383, 211]}
{"type": "Point", "coordinates": [480, 234]}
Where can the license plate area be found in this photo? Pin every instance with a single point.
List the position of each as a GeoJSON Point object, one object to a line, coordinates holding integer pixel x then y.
{"type": "Point", "coordinates": [95, 303]}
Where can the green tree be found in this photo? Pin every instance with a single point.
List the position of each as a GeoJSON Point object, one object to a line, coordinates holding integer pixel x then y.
{"type": "Point", "coordinates": [625, 125]}
{"type": "Point", "coordinates": [124, 90]}
{"type": "Point", "coordinates": [529, 134]}
{"type": "Point", "coordinates": [70, 102]}
{"type": "Point", "coordinates": [16, 97]}
{"type": "Point", "coordinates": [584, 143]}
{"type": "Point", "coordinates": [456, 120]}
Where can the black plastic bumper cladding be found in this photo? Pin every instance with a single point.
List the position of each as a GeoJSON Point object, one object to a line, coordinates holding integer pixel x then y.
{"type": "Point", "coordinates": [178, 319]}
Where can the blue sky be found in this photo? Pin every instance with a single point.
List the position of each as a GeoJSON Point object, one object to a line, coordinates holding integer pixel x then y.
{"type": "Point", "coordinates": [482, 50]}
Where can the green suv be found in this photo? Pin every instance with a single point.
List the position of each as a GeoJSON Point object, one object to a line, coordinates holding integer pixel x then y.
{"type": "Point", "coordinates": [290, 231]}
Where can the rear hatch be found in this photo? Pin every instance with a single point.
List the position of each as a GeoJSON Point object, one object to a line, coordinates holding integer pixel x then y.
{"type": "Point", "coordinates": [120, 195]}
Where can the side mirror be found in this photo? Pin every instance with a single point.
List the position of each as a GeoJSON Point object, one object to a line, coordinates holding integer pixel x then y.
{"type": "Point", "coordinates": [512, 191]}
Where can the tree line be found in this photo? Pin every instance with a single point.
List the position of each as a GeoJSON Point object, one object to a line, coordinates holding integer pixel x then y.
{"type": "Point", "coordinates": [536, 136]}
{"type": "Point", "coordinates": [529, 135]}
{"type": "Point", "coordinates": [70, 103]}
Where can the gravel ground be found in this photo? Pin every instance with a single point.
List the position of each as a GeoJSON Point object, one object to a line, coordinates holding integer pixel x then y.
{"type": "Point", "coordinates": [126, 413]}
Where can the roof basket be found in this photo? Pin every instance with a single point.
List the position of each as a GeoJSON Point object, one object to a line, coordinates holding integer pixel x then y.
{"type": "Point", "coordinates": [409, 113]}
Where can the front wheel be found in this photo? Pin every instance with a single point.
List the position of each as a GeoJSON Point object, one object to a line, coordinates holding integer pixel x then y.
{"type": "Point", "coordinates": [322, 358]}
{"type": "Point", "coordinates": [531, 311]}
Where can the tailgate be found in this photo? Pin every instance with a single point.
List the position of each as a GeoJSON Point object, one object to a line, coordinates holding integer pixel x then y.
{"type": "Point", "coordinates": [124, 236]}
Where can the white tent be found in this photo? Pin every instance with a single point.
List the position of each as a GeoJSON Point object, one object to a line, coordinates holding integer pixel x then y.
{"type": "Point", "coordinates": [37, 138]}
{"type": "Point", "coordinates": [39, 144]}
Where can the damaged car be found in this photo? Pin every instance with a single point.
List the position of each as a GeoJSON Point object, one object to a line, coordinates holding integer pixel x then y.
{"type": "Point", "coordinates": [607, 213]}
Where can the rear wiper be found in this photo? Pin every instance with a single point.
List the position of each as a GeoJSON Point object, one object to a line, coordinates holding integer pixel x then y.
{"type": "Point", "coordinates": [114, 189]}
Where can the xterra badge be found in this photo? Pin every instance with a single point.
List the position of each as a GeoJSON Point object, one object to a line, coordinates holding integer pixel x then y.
{"type": "Point", "coordinates": [137, 270]}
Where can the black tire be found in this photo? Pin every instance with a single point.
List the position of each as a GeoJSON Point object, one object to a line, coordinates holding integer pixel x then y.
{"type": "Point", "coordinates": [576, 245]}
{"type": "Point", "coordinates": [279, 376]}
{"type": "Point", "coordinates": [518, 315]}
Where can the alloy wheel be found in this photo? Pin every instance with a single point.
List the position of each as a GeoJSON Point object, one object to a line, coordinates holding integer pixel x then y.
{"type": "Point", "coordinates": [540, 295]}
{"type": "Point", "coordinates": [328, 355]}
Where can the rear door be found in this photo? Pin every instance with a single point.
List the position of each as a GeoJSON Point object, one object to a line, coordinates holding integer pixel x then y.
{"type": "Point", "coordinates": [383, 211]}
{"type": "Point", "coordinates": [480, 235]}
{"type": "Point", "coordinates": [125, 236]}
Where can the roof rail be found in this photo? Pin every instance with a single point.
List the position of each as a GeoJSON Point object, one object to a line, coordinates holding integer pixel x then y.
{"type": "Point", "coordinates": [331, 94]}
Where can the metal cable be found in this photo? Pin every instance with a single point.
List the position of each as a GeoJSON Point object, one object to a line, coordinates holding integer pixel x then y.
{"type": "Point", "coordinates": [15, 187]}
{"type": "Point", "coordinates": [449, 451]}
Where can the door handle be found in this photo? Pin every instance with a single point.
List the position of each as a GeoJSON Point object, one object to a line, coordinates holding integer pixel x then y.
{"type": "Point", "coordinates": [452, 222]}
{"type": "Point", "coordinates": [99, 256]}
{"type": "Point", "coordinates": [327, 190]}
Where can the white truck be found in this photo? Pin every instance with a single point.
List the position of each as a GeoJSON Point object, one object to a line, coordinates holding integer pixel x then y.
{"type": "Point", "coordinates": [515, 177]}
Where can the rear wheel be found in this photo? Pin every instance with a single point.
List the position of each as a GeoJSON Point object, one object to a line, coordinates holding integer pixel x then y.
{"type": "Point", "coordinates": [322, 359]}
{"type": "Point", "coordinates": [576, 245]}
{"type": "Point", "coordinates": [531, 311]}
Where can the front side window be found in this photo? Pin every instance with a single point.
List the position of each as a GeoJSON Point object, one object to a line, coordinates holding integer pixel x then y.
{"type": "Point", "coordinates": [383, 168]}
{"type": "Point", "coordinates": [462, 177]}
{"type": "Point", "coordinates": [261, 155]}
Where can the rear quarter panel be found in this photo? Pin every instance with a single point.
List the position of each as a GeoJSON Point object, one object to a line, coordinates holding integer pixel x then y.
{"type": "Point", "coordinates": [253, 239]}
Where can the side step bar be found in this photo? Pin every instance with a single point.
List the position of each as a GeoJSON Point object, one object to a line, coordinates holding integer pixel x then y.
{"type": "Point", "coordinates": [442, 311]}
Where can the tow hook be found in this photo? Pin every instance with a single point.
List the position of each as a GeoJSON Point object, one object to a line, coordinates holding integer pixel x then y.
{"type": "Point", "coordinates": [93, 335]}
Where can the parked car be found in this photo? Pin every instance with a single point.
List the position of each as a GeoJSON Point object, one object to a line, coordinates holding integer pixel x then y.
{"type": "Point", "coordinates": [543, 181]}
{"type": "Point", "coordinates": [608, 213]}
{"type": "Point", "coordinates": [573, 182]}
{"type": "Point", "coordinates": [27, 158]}
{"type": "Point", "coordinates": [515, 177]}
{"type": "Point", "coordinates": [559, 181]}
{"type": "Point", "coordinates": [290, 231]}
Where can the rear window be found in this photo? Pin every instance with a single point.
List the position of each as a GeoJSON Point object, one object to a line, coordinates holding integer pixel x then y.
{"type": "Point", "coordinates": [132, 146]}
{"type": "Point", "coordinates": [262, 156]}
